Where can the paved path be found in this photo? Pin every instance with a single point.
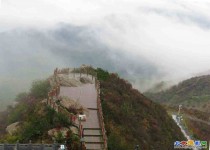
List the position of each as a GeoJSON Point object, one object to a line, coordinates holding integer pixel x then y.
{"type": "Point", "coordinates": [87, 96]}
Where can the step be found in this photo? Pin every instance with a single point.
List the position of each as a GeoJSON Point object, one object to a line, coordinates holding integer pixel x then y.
{"type": "Point", "coordinates": [95, 149]}
{"type": "Point", "coordinates": [92, 108]}
{"type": "Point", "coordinates": [92, 132]}
{"type": "Point", "coordinates": [90, 146]}
{"type": "Point", "coordinates": [86, 135]}
{"type": "Point", "coordinates": [93, 139]}
{"type": "Point", "coordinates": [92, 128]}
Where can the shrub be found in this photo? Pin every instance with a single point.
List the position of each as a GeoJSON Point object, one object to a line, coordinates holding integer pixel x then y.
{"type": "Point", "coordinates": [40, 89]}
{"type": "Point", "coordinates": [101, 74]}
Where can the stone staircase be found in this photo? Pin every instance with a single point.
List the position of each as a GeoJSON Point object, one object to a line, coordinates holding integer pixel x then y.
{"type": "Point", "coordinates": [93, 139]}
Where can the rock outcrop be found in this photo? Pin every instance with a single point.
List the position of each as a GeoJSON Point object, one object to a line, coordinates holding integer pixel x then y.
{"type": "Point", "coordinates": [12, 128]}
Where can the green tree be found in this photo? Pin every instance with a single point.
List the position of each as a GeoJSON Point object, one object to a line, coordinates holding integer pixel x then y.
{"type": "Point", "coordinates": [102, 74]}
{"type": "Point", "coordinates": [21, 97]}
{"type": "Point", "coordinates": [40, 89]}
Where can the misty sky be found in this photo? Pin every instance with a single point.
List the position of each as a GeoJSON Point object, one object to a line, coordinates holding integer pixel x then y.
{"type": "Point", "coordinates": [147, 40]}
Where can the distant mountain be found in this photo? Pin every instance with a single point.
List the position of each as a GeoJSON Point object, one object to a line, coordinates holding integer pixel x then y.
{"type": "Point", "coordinates": [160, 86]}
{"type": "Point", "coordinates": [192, 93]}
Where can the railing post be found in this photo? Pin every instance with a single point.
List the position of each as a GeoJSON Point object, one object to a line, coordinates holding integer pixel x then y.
{"type": "Point", "coordinates": [49, 102]}
{"type": "Point", "coordinates": [42, 146]}
{"type": "Point", "coordinates": [68, 71]}
{"type": "Point", "coordinates": [5, 146]}
{"type": "Point", "coordinates": [65, 144]}
{"type": "Point", "coordinates": [30, 146]}
{"type": "Point", "coordinates": [53, 105]}
{"type": "Point", "coordinates": [54, 145]}
{"type": "Point", "coordinates": [74, 72]}
{"type": "Point", "coordinates": [58, 108]}
{"type": "Point", "coordinates": [17, 146]}
{"type": "Point", "coordinates": [59, 88]}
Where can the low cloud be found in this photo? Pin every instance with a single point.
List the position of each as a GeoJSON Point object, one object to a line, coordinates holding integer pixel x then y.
{"type": "Point", "coordinates": [31, 54]}
{"type": "Point", "coordinates": [144, 41]}
{"type": "Point", "coordinates": [188, 17]}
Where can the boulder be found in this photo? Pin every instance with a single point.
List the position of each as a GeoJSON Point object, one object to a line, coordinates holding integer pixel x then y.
{"type": "Point", "coordinates": [54, 132]}
{"type": "Point", "coordinates": [12, 128]}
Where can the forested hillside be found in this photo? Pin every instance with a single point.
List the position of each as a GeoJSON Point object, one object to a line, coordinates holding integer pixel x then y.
{"type": "Point", "coordinates": [192, 93]}
{"type": "Point", "coordinates": [31, 119]}
{"type": "Point", "coordinates": [132, 119]}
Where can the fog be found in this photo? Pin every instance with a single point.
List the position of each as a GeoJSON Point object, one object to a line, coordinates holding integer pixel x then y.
{"type": "Point", "coordinates": [29, 54]}
{"type": "Point", "coordinates": [145, 42]}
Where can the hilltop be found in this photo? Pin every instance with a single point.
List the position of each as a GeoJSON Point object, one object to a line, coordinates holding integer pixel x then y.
{"type": "Point", "coordinates": [130, 118]}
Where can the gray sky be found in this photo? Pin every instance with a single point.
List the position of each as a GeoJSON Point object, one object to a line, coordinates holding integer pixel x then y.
{"type": "Point", "coordinates": [147, 40]}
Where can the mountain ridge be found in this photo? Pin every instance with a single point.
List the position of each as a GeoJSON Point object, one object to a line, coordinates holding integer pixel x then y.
{"type": "Point", "coordinates": [192, 93]}
{"type": "Point", "coordinates": [130, 117]}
